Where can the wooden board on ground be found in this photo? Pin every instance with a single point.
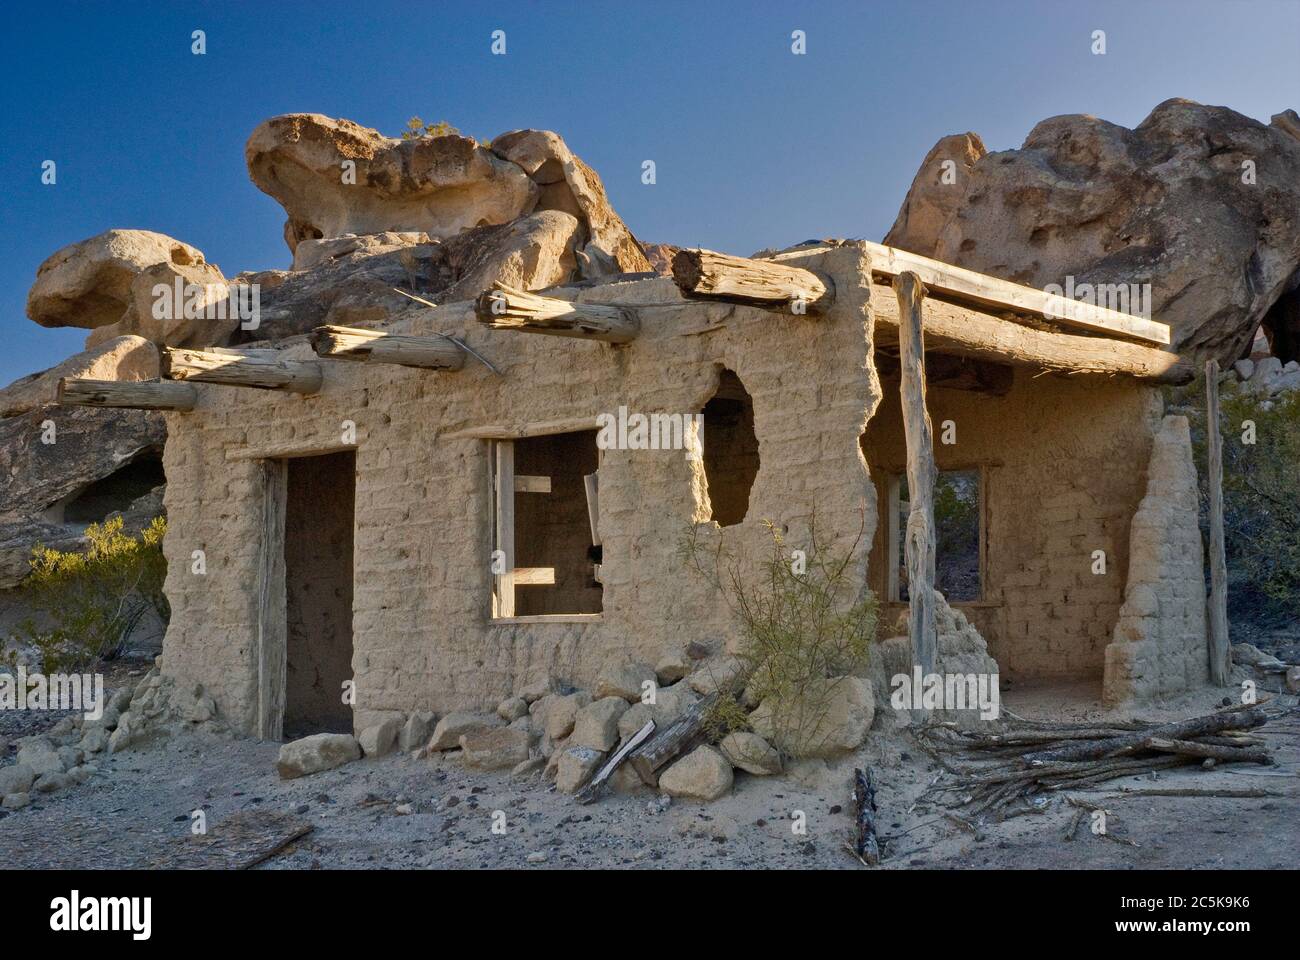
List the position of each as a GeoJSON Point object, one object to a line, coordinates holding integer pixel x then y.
{"type": "Point", "coordinates": [239, 841]}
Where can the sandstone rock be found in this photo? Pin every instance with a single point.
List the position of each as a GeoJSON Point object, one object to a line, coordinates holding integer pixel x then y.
{"type": "Point", "coordinates": [670, 703]}
{"type": "Point", "coordinates": [672, 667]}
{"type": "Point", "coordinates": [569, 185]}
{"type": "Point", "coordinates": [447, 734]}
{"type": "Point", "coordinates": [321, 751]}
{"type": "Point", "coordinates": [596, 725]}
{"type": "Point", "coordinates": [626, 680]}
{"type": "Point", "coordinates": [703, 774]}
{"type": "Point", "coordinates": [561, 713]}
{"type": "Point", "coordinates": [40, 756]}
{"type": "Point", "coordinates": [1163, 203]}
{"type": "Point", "coordinates": [512, 709]}
{"type": "Point", "coordinates": [497, 749]}
{"type": "Point", "coordinates": [16, 778]}
{"type": "Point", "coordinates": [937, 192]}
{"type": "Point", "coordinates": [1244, 368]}
{"type": "Point", "coordinates": [660, 256]}
{"type": "Point", "coordinates": [81, 774]}
{"type": "Point", "coordinates": [16, 801]}
{"type": "Point", "coordinates": [120, 358]}
{"type": "Point", "coordinates": [88, 284]}
{"type": "Point", "coordinates": [715, 674]}
{"type": "Point", "coordinates": [435, 185]}
{"type": "Point", "coordinates": [624, 779]}
{"type": "Point", "coordinates": [529, 254]}
{"type": "Point", "coordinates": [379, 739]}
{"type": "Point", "coordinates": [416, 731]}
{"type": "Point", "coordinates": [751, 753]}
{"type": "Point", "coordinates": [50, 782]}
{"type": "Point", "coordinates": [311, 253]}
{"type": "Point", "coordinates": [832, 718]}
{"type": "Point", "coordinates": [94, 740]}
{"type": "Point", "coordinates": [160, 316]}
{"type": "Point", "coordinates": [575, 767]}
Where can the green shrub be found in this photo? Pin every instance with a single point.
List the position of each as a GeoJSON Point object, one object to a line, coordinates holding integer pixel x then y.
{"type": "Point", "coordinates": [798, 627]}
{"type": "Point", "coordinates": [93, 599]}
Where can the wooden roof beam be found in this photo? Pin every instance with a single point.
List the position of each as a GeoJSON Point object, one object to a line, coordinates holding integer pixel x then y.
{"type": "Point", "coordinates": [376, 346]}
{"type": "Point", "coordinates": [502, 307]}
{"type": "Point", "coordinates": [706, 275]}
{"type": "Point", "coordinates": [239, 370]}
{"type": "Point", "coordinates": [132, 394]}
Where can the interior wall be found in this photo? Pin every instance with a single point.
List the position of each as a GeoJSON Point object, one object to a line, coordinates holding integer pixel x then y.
{"type": "Point", "coordinates": [553, 529]}
{"type": "Point", "coordinates": [318, 523]}
{"type": "Point", "coordinates": [1065, 467]}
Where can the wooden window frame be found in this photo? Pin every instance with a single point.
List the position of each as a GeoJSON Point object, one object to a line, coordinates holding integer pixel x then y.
{"type": "Point", "coordinates": [894, 532]}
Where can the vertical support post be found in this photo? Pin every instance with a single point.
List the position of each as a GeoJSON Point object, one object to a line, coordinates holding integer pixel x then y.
{"type": "Point", "coordinates": [921, 472]}
{"type": "Point", "coordinates": [1220, 650]}
{"type": "Point", "coordinates": [272, 625]}
{"type": "Point", "coordinates": [503, 467]}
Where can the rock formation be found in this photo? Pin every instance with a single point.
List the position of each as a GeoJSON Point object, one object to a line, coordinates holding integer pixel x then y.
{"type": "Point", "coordinates": [1200, 202]}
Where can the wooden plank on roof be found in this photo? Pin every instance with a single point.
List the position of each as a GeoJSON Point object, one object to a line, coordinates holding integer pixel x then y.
{"type": "Point", "coordinates": [990, 291]}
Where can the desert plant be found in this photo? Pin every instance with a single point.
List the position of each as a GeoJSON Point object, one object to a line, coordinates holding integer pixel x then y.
{"type": "Point", "coordinates": [417, 129]}
{"type": "Point", "coordinates": [805, 622]}
{"type": "Point", "coordinates": [93, 599]}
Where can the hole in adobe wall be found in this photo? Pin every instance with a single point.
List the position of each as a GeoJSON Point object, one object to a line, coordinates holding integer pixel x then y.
{"type": "Point", "coordinates": [730, 450]}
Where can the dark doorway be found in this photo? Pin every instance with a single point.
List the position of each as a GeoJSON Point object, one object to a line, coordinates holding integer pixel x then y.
{"type": "Point", "coordinates": [319, 503]}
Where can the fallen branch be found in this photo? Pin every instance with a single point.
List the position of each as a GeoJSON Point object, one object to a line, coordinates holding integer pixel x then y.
{"type": "Point", "coordinates": [866, 847]}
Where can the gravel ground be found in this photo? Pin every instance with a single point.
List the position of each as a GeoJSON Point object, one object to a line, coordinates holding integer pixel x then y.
{"type": "Point", "coordinates": [140, 804]}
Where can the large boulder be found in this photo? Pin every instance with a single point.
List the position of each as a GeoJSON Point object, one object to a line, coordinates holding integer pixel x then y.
{"type": "Point", "coordinates": [1199, 201]}
{"type": "Point", "coordinates": [499, 749]}
{"type": "Point", "coordinates": [703, 774]}
{"type": "Point", "coordinates": [321, 751]}
{"type": "Point", "coordinates": [828, 719]}
{"type": "Point", "coordinates": [437, 185]}
{"type": "Point", "coordinates": [120, 358]}
{"type": "Point", "coordinates": [88, 284]}
{"type": "Point", "coordinates": [937, 191]}
{"type": "Point", "coordinates": [447, 734]}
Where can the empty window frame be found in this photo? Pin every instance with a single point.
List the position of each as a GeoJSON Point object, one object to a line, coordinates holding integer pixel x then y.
{"type": "Point", "coordinates": [730, 450]}
{"type": "Point", "coordinates": [960, 535]}
{"type": "Point", "coordinates": [546, 559]}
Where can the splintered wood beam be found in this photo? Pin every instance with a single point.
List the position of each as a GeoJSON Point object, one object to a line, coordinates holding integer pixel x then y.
{"type": "Point", "coordinates": [968, 285]}
{"type": "Point", "coordinates": [356, 343]}
{"type": "Point", "coordinates": [134, 394]}
{"type": "Point", "coordinates": [236, 370]}
{"type": "Point", "coordinates": [706, 275]}
{"type": "Point", "coordinates": [957, 329]}
{"type": "Point", "coordinates": [502, 307]}
{"type": "Point", "coordinates": [921, 474]}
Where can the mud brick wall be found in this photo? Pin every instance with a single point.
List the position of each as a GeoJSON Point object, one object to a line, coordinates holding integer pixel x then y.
{"type": "Point", "coordinates": [1064, 469]}
{"type": "Point", "coordinates": [422, 632]}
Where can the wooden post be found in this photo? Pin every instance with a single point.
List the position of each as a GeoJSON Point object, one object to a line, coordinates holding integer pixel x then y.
{"type": "Point", "coordinates": [503, 487]}
{"type": "Point", "coordinates": [272, 625]}
{"type": "Point", "coordinates": [134, 394]}
{"type": "Point", "coordinates": [1220, 649]}
{"type": "Point", "coordinates": [239, 370]}
{"type": "Point", "coordinates": [356, 343]}
{"type": "Point", "coordinates": [502, 307]}
{"type": "Point", "coordinates": [921, 472]}
{"type": "Point", "coordinates": [705, 275]}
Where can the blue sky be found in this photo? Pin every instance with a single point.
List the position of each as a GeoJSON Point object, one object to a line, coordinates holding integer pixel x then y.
{"type": "Point", "coordinates": [753, 145]}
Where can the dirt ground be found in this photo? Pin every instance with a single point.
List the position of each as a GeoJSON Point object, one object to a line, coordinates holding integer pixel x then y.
{"type": "Point", "coordinates": [139, 806]}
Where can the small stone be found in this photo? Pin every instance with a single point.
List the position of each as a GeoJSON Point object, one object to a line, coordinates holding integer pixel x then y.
{"type": "Point", "coordinates": [673, 667]}
{"type": "Point", "coordinates": [512, 709]}
{"type": "Point", "coordinates": [703, 774]}
{"type": "Point", "coordinates": [538, 857]}
{"type": "Point", "coordinates": [379, 739]}
{"type": "Point", "coordinates": [716, 674]}
{"type": "Point", "coordinates": [531, 765]}
{"type": "Point", "coordinates": [321, 751]}
{"type": "Point", "coordinates": [626, 680]}
{"type": "Point", "coordinates": [751, 753]}
{"type": "Point", "coordinates": [16, 778]}
{"type": "Point", "coordinates": [447, 734]}
{"type": "Point", "coordinates": [416, 732]}
{"type": "Point", "coordinates": [49, 782]}
{"type": "Point", "coordinates": [16, 801]}
{"type": "Point", "coordinates": [495, 749]}
{"type": "Point", "coordinates": [575, 767]}
{"type": "Point", "coordinates": [596, 725]}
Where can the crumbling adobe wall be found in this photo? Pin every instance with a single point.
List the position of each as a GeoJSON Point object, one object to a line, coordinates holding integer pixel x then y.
{"type": "Point", "coordinates": [1161, 645]}
{"type": "Point", "coordinates": [1064, 476]}
{"type": "Point", "coordinates": [422, 581]}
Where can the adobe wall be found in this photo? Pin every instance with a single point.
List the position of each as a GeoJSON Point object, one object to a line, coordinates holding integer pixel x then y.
{"type": "Point", "coordinates": [1065, 459]}
{"type": "Point", "coordinates": [422, 582]}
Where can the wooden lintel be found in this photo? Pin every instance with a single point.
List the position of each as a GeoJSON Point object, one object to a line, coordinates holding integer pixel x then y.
{"type": "Point", "coordinates": [972, 333]}
{"type": "Point", "coordinates": [133, 394]}
{"type": "Point", "coordinates": [502, 307]}
{"type": "Point", "coordinates": [376, 346]}
{"type": "Point", "coordinates": [707, 275]}
{"type": "Point", "coordinates": [968, 285]}
{"type": "Point", "coordinates": [235, 370]}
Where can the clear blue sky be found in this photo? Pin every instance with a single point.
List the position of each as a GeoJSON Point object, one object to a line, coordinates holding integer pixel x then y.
{"type": "Point", "coordinates": [754, 146]}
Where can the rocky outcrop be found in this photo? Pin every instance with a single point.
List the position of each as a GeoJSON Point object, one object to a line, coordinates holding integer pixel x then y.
{"type": "Point", "coordinates": [436, 185]}
{"type": "Point", "coordinates": [121, 358]}
{"type": "Point", "coordinates": [1198, 201]}
{"type": "Point", "coordinates": [89, 284]}
{"type": "Point", "coordinates": [937, 191]}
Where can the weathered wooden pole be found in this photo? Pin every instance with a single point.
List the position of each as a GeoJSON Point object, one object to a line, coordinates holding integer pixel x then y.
{"type": "Point", "coordinates": [502, 307]}
{"type": "Point", "coordinates": [921, 472]}
{"type": "Point", "coordinates": [1220, 650]}
{"type": "Point", "coordinates": [239, 370]}
{"type": "Point", "coordinates": [356, 343]}
{"type": "Point", "coordinates": [135, 394]}
{"type": "Point", "coordinates": [706, 275]}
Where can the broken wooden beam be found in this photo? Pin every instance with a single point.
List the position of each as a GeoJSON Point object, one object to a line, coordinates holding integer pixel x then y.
{"type": "Point", "coordinates": [133, 394]}
{"type": "Point", "coordinates": [356, 343]}
{"type": "Point", "coordinates": [919, 540]}
{"type": "Point", "coordinates": [966, 332]}
{"type": "Point", "coordinates": [239, 370]}
{"type": "Point", "coordinates": [865, 845]}
{"type": "Point", "coordinates": [973, 287]}
{"type": "Point", "coordinates": [502, 307]}
{"type": "Point", "coordinates": [1242, 719]}
{"type": "Point", "coordinates": [706, 275]}
{"type": "Point", "coordinates": [592, 791]}
{"type": "Point", "coordinates": [680, 736]}
{"type": "Point", "coordinates": [1220, 650]}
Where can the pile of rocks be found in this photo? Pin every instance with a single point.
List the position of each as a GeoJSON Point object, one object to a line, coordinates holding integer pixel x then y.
{"type": "Point", "coordinates": [1264, 378]}
{"type": "Point", "coordinates": [64, 755]}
